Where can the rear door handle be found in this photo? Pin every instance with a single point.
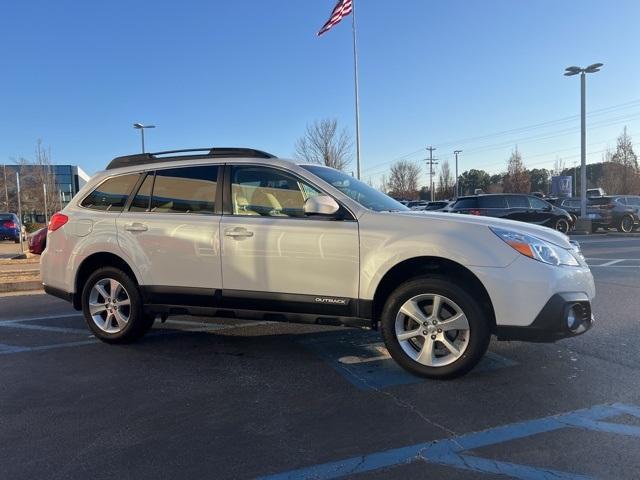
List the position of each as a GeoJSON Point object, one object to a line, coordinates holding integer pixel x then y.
{"type": "Point", "coordinates": [136, 227]}
{"type": "Point", "coordinates": [238, 232]}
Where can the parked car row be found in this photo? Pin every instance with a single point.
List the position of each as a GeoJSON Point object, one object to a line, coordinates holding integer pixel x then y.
{"type": "Point", "coordinates": [621, 212]}
{"type": "Point", "coordinates": [523, 208]}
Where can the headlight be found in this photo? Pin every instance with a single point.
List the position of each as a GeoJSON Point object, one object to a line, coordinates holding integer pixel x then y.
{"type": "Point", "coordinates": [536, 248]}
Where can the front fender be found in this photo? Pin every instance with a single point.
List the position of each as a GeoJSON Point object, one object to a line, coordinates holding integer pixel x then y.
{"type": "Point", "coordinates": [387, 240]}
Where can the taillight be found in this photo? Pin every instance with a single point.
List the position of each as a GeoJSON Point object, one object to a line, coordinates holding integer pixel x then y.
{"type": "Point", "coordinates": [475, 212]}
{"type": "Point", "coordinates": [57, 220]}
{"type": "Point", "coordinates": [9, 224]}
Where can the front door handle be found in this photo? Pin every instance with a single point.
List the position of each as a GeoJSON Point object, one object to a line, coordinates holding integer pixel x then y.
{"type": "Point", "coordinates": [136, 227]}
{"type": "Point", "coordinates": [238, 232]}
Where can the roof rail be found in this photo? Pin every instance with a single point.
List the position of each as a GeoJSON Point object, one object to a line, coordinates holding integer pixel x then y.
{"type": "Point", "coordinates": [192, 153]}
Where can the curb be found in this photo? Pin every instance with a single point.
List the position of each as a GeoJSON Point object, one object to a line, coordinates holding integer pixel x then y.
{"type": "Point", "coordinates": [20, 286]}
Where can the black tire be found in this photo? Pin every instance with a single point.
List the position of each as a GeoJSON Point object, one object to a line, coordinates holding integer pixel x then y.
{"type": "Point", "coordinates": [138, 323]}
{"type": "Point", "coordinates": [562, 225]}
{"type": "Point", "coordinates": [626, 224]}
{"type": "Point", "coordinates": [594, 228]}
{"type": "Point", "coordinates": [479, 326]}
{"type": "Point", "coordinates": [16, 240]}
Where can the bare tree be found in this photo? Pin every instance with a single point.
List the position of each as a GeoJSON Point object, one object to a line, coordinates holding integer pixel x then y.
{"type": "Point", "coordinates": [384, 184]}
{"type": "Point", "coordinates": [36, 176]}
{"type": "Point", "coordinates": [517, 178]}
{"type": "Point", "coordinates": [322, 143]}
{"type": "Point", "coordinates": [445, 181]}
{"type": "Point", "coordinates": [403, 179]}
{"type": "Point", "coordinates": [626, 162]}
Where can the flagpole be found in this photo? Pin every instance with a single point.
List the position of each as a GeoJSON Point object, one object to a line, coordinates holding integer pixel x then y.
{"type": "Point", "coordinates": [355, 78]}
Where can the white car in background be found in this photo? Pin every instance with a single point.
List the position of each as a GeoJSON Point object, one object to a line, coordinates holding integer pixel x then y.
{"type": "Point", "coordinates": [239, 230]}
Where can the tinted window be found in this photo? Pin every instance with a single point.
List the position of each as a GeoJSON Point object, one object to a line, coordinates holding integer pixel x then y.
{"type": "Point", "coordinates": [6, 216]}
{"type": "Point", "coordinates": [518, 201]}
{"type": "Point", "coordinates": [601, 201]}
{"type": "Point", "coordinates": [112, 194]}
{"type": "Point", "coordinates": [497, 201]}
{"type": "Point", "coordinates": [184, 190]}
{"type": "Point", "coordinates": [142, 201]}
{"type": "Point", "coordinates": [466, 203]}
{"type": "Point", "coordinates": [635, 201]}
{"type": "Point", "coordinates": [268, 192]}
{"type": "Point", "coordinates": [571, 203]}
{"type": "Point", "coordinates": [538, 204]}
{"type": "Point", "coordinates": [621, 201]}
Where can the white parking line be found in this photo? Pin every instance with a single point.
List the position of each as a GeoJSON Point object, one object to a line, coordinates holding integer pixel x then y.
{"type": "Point", "coordinates": [46, 317]}
{"type": "Point", "coordinates": [608, 264]}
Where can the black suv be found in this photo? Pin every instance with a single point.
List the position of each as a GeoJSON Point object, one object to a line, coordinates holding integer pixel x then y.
{"type": "Point", "coordinates": [599, 217]}
{"type": "Point", "coordinates": [621, 211]}
{"type": "Point", "coordinates": [513, 206]}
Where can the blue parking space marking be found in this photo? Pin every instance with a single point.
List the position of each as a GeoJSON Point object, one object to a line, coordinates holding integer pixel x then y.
{"type": "Point", "coordinates": [451, 452]}
{"type": "Point", "coordinates": [361, 358]}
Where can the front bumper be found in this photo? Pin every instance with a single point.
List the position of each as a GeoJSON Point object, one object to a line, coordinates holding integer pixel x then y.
{"type": "Point", "coordinates": [552, 323]}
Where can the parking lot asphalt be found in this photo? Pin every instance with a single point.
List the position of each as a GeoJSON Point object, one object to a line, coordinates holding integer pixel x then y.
{"type": "Point", "coordinates": [230, 399]}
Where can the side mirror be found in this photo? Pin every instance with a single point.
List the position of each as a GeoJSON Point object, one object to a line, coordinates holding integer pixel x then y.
{"type": "Point", "coordinates": [548, 208]}
{"type": "Point", "coordinates": [321, 205]}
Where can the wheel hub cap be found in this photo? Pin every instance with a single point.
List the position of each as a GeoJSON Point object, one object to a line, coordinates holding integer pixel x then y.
{"type": "Point", "coordinates": [432, 330]}
{"type": "Point", "coordinates": [109, 305]}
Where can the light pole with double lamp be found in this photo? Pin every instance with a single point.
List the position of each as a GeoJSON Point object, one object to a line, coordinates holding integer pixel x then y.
{"type": "Point", "coordinates": [569, 72]}
{"type": "Point", "coordinates": [141, 127]}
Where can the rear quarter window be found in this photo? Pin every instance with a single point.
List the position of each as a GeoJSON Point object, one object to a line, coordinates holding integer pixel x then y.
{"type": "Point", "coordinates": [465, 203]}
{"type": "Point", "coordinates": [111, 195]}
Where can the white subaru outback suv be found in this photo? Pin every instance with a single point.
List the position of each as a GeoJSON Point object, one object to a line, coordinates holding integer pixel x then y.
{"type": "Point", "coordinates": [240, 232]}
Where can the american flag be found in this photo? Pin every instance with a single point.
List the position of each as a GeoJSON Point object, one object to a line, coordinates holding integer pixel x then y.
{"type": "Point", "coordinates": [341, 10]}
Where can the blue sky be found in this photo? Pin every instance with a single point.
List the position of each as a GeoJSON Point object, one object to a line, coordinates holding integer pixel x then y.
{"type": "Point", "coordinates": [252, 73]}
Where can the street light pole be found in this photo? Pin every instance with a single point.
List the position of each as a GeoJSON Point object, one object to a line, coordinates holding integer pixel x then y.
{"type": "Point", "coordinates": [570, 71]}
{"type": "Point", "coordinates": [141, 127]}
{"type": "Point", "coordinates": [456, 153]}
{"type": "Point", "coordinates": [6, 189]}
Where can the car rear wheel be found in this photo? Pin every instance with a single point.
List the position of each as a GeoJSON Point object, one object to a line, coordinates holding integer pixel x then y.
{"type": "Point", "coordinates": [626, 224]}
{"type": "Point", "coordinates": [435, 329]}
{"type": "Point", "coordinates": [112, 307]}
{"type": "Point", "coordinates": [562, 225]}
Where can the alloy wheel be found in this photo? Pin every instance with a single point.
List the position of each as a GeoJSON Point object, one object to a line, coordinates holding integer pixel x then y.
{"type": "Point", "coordinates": [109, 305]}
{"type": "Point", "coordinates": [432, 330]}
{"type": "Point", "coordinates": [626, 224]}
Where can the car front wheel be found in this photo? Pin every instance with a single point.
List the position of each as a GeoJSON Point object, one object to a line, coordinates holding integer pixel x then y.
{"type": "Point", "coordinates": [112, 307]}
{"type": "Point", "coordinates": [435, 329]}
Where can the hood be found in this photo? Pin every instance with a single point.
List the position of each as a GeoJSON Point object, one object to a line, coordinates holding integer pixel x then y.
{"type": "Point", "coordinates": [544, 233]}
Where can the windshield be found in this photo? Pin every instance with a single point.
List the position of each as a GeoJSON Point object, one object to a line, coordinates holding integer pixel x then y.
{"type": "Point", "coordinates": [359, 191]}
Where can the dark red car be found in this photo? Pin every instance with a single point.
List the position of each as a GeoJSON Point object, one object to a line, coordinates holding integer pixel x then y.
{"type": "Point", "coordinates": [38, 241]}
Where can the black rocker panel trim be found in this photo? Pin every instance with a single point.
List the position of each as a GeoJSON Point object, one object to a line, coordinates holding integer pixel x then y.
{"type": "Point", "coordinates": [257, 301]}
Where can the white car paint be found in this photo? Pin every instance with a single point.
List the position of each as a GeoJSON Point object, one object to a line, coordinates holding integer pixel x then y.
{"type": "Point", "coordinates": [303, 256]}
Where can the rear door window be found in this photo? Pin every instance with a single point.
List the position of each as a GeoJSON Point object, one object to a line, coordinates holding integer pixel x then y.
{"type": "Point", "coordinates": [634, 201]}
{"type": "Point", "coordinates": [182, 190]}
{"type": "Point", "coordinates": [538, 204]}
{"type": "Point", "coordinates": [111, 195]}
{"type": "Point", "coordinates": [497, 201]}
{"type": "Point", "coordinates": [518, 201]}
